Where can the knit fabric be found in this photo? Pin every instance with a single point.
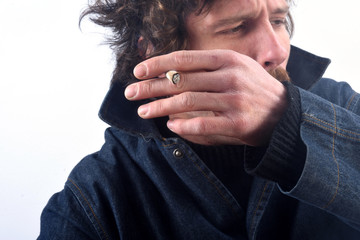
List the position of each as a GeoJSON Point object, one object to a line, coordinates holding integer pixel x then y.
{"type": "Point", "coordinates": [283, 160]}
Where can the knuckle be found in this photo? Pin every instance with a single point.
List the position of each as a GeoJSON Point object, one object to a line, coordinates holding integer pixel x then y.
{"type": "Point", "coordinates": [229, 100]}
{"type": "Point", "coordinates": [214, 58]}
{"type": "Point", "coordinates": [146, 88]}
{"type": "Point", "coordinates": [239, 99]}
{"type": "Point", "coordinates": [159, 107]}
{"type": "Point", "coordinates": [199, 126]}
{"type": "Point", "coordinates": [156, 108]}
{"type": "Point", "coordinates": [238, 102]}
{"type": "Point", "coordinates": [187, 100]}
{"type": "Point", "coordinates": [232, 57]}
{"type": "Point", "coordinates": [233, 79]}
{"type": "Point", "coordinates": [182, 57]}
{"type": "Point", "coordinates": [155, 64]}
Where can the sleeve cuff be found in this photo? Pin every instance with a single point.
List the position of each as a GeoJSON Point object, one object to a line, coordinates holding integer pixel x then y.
{"type": "Point", "coordinates": [282, 161]}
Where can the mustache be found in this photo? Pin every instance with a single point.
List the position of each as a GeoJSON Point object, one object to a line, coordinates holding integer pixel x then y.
{"type": "Point", "coordinates": [280, 74]}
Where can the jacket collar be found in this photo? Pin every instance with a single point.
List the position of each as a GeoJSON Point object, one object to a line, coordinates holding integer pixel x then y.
{"type": "Point", "coordinates": [304, 68]}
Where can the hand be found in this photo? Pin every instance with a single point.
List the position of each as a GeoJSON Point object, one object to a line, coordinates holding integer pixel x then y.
{"type": "Point", "coordinates": [223, 97]}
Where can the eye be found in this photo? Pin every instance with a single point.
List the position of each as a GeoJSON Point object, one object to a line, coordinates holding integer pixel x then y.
{"type": "Point", "coordinates": [239, 28]}
{"type": "Point", "coordinates": [278, 22]}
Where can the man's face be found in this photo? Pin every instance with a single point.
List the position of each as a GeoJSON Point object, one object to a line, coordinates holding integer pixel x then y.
{"type": "Point", "coordinates": [255, 28]}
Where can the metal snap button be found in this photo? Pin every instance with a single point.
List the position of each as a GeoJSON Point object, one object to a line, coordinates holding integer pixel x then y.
{"type": "Point", "coordinates": [178, 153]}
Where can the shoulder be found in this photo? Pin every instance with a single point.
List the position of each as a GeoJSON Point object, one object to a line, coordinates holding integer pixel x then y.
{"type": "Point", "coordinates": [103, 183]}
{"type": "Point", "coordinates": [339, 93]}
{"type": "Point", "coordinates": [109, 163]}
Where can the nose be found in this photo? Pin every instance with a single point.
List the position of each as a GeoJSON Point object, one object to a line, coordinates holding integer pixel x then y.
{"type": "Point", "coordinates": [269, 50]}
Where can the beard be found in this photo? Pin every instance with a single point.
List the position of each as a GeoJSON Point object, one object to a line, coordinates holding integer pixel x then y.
{"type": "Point", "coordinates": [280, 74]}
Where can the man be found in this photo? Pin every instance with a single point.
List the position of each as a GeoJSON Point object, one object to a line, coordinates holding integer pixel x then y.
{"type": "Point", "coordinates": [214, 142]}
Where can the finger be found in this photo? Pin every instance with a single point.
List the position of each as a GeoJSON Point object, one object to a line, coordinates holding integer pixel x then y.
{"type": "Point", "coordinates": [194, 82]}
{"type": "Point", "coordinates": [203, 126]}
{"type": "Point", "coordinates": [182, 61]}
{"type": "Point", "coordinates": [182, 103]}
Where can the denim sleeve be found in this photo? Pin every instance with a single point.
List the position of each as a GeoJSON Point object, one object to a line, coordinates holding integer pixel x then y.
{"type": "Point", "coordinates": [314, 153]}
{"type": "Point", "coordinates": [330, 131]}
{"type": "Point", "coordinates": [64, 218]}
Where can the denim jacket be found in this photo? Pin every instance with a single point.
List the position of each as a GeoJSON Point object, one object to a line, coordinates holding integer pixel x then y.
{"type": "Point", "coordinates": [141, 185]}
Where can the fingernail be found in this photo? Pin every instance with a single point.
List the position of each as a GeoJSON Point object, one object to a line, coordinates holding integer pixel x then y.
{"type": "Point", "coordinates": [140, 71]}
{"type": "Point", "coordinates": [170, 124]}
{"type": "Point", "coordinates": [142, 111]}
{"type": "Point", "coordinates": [131, 91]}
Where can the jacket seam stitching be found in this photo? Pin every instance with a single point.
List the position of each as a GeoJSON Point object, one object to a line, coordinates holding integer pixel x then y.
{"type": "Point", "coordinates": [331, 125]}
{"type": "Point", "coordinates": [336, 162]}
{"type": "Point", "coordinates": [351, 100]}
{"type": "Point", "coordinates": [335, 129]}
{"type": "Point", "coordinates": [257, 207]}
{"type": "Point", "coordinates": [315, 118]}
{"type": "Point", "coordinates": [89, 205]}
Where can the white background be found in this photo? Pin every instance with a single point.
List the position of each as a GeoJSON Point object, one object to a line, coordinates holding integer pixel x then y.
{"type": "Point", "coordinates": [53, 78]}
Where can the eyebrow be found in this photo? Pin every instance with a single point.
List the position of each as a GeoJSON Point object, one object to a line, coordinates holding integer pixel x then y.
{"type": "Point", "coordinates": [231, 20]}
{"type": "Point", "coordinates": [281, 10]}
{"type": "Point", "coordinates": [239, 18]}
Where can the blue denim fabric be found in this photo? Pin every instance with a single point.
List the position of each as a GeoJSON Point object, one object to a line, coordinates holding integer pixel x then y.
{"type": "Point", "coordinates": [331, 132]}
{"type": "Point", "coordinates": [143, 186]}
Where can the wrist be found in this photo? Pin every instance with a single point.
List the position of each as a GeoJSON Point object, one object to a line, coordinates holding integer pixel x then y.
{"type": "Point", "coordinates": [283, 159]}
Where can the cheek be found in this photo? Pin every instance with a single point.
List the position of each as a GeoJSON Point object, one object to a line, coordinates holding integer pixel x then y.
{"type": "Point", "coordinates": [287, 47]}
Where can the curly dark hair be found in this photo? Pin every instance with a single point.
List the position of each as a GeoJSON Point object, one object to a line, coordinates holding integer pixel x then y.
{"type": "Point", "coordinates": [159, 23]}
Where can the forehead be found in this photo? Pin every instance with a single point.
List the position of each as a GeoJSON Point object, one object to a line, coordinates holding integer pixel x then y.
{"type": "Point", "coordinates": [222, 9]}
{"type": "Point", "coordinates": [226, 7]}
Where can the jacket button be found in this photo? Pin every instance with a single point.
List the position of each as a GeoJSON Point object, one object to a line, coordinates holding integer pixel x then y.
{"type": "Point", "coordinates": [178, 153]}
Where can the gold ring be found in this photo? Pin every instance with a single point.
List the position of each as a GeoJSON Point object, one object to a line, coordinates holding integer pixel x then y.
{"type": "Point", "coordinates": [173, 76]}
